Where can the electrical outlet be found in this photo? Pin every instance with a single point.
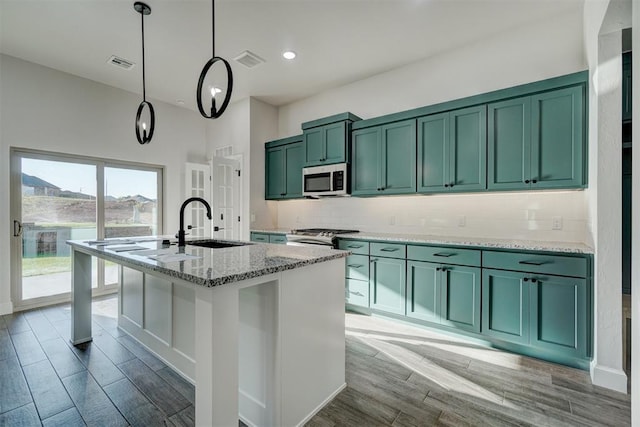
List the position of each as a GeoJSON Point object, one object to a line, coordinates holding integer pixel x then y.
{"type": "Point", "coordinates": [556, 223]}
{"type": "Point", "coordinates": [392, 220]}
{"type": "Point", "coordinates": [462, 221]}
{"type": "Point", "coordinates": [253, 217]}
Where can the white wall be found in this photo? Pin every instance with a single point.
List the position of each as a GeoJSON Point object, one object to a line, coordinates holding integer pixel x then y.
{"type": "Point", "coordinates": [44, 109]}
{"type": "Point", "coordinates": [526, 54]}
{"type": "Point", "coordinates": [246, 125]}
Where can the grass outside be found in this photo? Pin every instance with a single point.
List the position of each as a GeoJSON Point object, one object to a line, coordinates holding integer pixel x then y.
{"type": "Point", "coordinates": [48, 265]}
{"type": "Point", "coordinates": [45, 265]}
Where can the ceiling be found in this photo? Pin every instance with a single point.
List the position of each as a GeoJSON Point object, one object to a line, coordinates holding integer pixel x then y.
{"type": "Point", "coordinates": [337, 42]}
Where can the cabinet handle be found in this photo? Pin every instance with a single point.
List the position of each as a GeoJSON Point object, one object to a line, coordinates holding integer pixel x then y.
{"type": "Point", "coordinates": [526, 279]}
{"type": "Point", "coordinates": [354, 246]}
{"type": "Point", "coordinates": [356, 293]}
{"type": "Point", "coordinates": [446, 185]}
{"type": "Point", "coordinates": [354, 265]}
{"type": "Point", "coordinates": [438, 268]}
{"type": "Point", "coordinates": [388, 249]}
{"type": "Point", "coordinates": [534, 280]}
{"type": "Point", "coordinates": [526, 181]}
{"type": "Point", "coordinates": [538, 263]}
{"type": "Point", "coordinates": [446, 255]}
{"type": "Point", "coordinates": [283, 194]}
{"type": "Point", "coordinates": [451, 185]}
{"type": "Point", "coordinates": [533, 181]}
{"type": "Point", "coordinates": [374, 260]}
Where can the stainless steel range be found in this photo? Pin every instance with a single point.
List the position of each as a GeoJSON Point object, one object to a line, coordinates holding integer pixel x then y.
{"type": "Point", "coordinates": [315, 236]}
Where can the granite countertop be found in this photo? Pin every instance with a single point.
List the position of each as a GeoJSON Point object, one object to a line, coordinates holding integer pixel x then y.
{"type": "Point", "coordinates": [478, 242]}
{"type": "Point", "coordinates": [205, 266]}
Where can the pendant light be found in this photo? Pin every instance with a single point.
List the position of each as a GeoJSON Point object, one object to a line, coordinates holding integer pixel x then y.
{"type": "Point", "coordinates": [214, 112]}
{"type": "Point", "coordinates": [144, 130]}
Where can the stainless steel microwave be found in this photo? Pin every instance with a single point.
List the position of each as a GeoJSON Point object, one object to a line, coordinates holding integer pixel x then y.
{"type": "Point", "coordinates": [329, 180]}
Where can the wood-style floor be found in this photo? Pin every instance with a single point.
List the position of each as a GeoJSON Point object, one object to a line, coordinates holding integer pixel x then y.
{"type": "Point", "coordinates": [397, 375]}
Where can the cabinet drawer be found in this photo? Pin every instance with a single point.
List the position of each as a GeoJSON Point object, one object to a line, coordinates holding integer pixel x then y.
{"type": "Point", "coordinates": [470, 257]}
{"type": "Point", "coordinates": [357, 267]}
{"type": "Point", "coordinates": [260, 237]}
{"type": "Point", "coordinates": [357, 292]}
{"type": "Point", "coordinates": [356, 246]}
{"type": "Point", "coordinates": [278, 238]}
{"type": "Point", "coordinates": [388, 250]}
{"type": "Point", "coordinates": [536, 263]}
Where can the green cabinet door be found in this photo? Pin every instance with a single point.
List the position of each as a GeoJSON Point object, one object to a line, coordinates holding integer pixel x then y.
{"type": "Point", "coordinates": [626, 87]}
{"type": "Point", "coordinates": [387, 284]}
{"type": "Point", "coordinates": [505, 305]}
{"type": "Point", "coordinates": [460, 297]}
{"type": "Point", "coordinates": [557, 142]}
{"type": "Point", "coordinates": [509, 144]}
{"type": "Point", "coordinates": [559, 314]}
{"type": "Point", "coordinates": [294, 162]}
{"type": "Point", "coordinates": [398, 165]}
{"type": "Point", "coordinates": [468, 149]}
{"type": "Point", "coordinates": [313, 146]}
{"type": "Point", "coordinates": [433, 149]}
{"type": "Point", "coordinates": [275, 173]}
{"type": "Point", "coordinates": [365, 166]}
{"type": "Point", "coordinates": [423, 291]}
{"type": "Point", "coordinates": [335, 138]}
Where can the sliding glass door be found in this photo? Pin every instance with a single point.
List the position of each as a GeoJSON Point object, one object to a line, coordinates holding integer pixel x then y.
{"type": "Point", "coordinates": [55, 198]}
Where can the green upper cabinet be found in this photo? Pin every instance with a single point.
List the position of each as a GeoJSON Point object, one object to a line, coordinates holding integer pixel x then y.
{"type": "Point", "coordinates": [384, 159]}
{"type": "Point", "coordinates": [326, 141]}
{"type": "Point", "coordinates": [557, 140]}
{"type": "Point", "coordinates": [284, 160]}
{"type": "Point", "coordinates": [537, 142]}
{"type": "Point", "coordinates": [626, 87]}
{"type": "Point", "coordinates": [452, 151]}
{"type": "Point", "coordinates": [509, 148]}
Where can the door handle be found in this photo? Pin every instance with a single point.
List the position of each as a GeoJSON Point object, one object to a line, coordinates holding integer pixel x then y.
{"type": "Point", "coordinates": [388, 249]}
{"type": "Point", "coordinates": [17, 228]}
{"type": "Point", "coordinates": [532, 262]}
{"type": "Point", "coordinates": [444, 254]}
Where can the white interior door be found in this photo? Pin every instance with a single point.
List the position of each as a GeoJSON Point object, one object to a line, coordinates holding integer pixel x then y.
{"type": "Point", "coordinates": [226, 185]}
{"type": "Point", "coordinates": [197, 178]}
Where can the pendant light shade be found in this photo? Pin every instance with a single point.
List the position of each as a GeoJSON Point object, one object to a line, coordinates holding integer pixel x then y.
{"type": "Point", "coordinates": [214, 111]}
{"type": "Point", "coordinates": [144, 128]}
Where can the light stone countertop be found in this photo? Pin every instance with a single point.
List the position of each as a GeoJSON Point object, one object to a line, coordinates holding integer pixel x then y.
{"type": "Point", "coordinates": [215, 267]}
{"type": "Point", "coordinates": [476, 242]}
{"type": "Point", "coordinates": [271, 230]}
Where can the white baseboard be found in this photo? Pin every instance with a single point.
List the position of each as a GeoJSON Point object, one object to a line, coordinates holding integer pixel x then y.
{"type": "Point", "coordinates": [322, 405]}
{"type": "Point", "coordinates": [614, 379]}
{"type": "Point", "coordinates": [6, 308]}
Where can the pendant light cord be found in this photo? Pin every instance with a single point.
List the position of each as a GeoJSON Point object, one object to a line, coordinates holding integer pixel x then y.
{"type": "Point", "coordinates": [144, 90]}
{"type": "Point", "coordinates": [213, 29]}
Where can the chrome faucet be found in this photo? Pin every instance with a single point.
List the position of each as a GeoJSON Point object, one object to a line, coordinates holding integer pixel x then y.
{"type": "Point", "coordinates": [181, 232]}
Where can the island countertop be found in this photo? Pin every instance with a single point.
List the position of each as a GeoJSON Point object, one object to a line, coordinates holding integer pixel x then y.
{"type": "Point", "coordinates": [203, 266]}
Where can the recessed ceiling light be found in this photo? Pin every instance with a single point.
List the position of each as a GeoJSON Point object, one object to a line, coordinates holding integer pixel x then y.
{"type": "Point", "coordinates": [289, 54]}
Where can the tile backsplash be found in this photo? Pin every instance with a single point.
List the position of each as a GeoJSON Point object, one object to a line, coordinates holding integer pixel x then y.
{"type": "Point", "coordinates": [508, 215]}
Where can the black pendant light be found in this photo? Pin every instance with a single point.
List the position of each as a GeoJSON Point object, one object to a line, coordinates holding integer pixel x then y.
{"type": "Point", "coordinates": [144, 136]}
{"type": "Point", "coordinates": [214, 112]}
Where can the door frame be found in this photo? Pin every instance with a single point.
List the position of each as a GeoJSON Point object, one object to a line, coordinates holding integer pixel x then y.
{"type": "Point", "coordinates": [16, 154]}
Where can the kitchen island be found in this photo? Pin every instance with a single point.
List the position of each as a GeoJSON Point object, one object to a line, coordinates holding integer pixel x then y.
{"type": "Point", "coordinates": [258, 328]}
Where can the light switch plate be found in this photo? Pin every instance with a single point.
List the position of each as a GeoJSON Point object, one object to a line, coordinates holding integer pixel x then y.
{"type": "Point", "coordinates": [556, 223]}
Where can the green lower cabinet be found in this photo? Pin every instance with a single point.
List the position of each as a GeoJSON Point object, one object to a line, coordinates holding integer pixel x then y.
{"type": "Point", "coordinates": [505, 305]}
{"type": "Point", "coordinates": [460, 297]}
{"type": "Point", "coordinates": [280, 239]}
{"type": "Point", "coordinates": [449, 295]}
{"type": "Point", "coordinates": [423, 291]}
{"type": "Point", "coordinates": [260, 237]}
{"type": "Point", "coordinates": [357, 292]}
{"type": "Point", "coordinates": [387, 280]}
{"type": "Point", "coordinates": [357, 267]}
{"type": "Point", "coordinates": [559, 314]}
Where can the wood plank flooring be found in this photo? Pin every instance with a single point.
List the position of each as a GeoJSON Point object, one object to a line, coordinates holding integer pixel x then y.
{"type": "Point", "coordinates": [397, 375]}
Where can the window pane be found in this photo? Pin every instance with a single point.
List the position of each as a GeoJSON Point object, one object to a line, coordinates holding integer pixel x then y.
{"type": "Point", "coordinates": [58, 204]}
{"type": "Point", "coordinates": [131, 202]}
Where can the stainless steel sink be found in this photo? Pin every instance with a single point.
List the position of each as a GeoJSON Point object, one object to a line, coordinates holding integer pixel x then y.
{"type": "Point", "coordinates": [216, 244]}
